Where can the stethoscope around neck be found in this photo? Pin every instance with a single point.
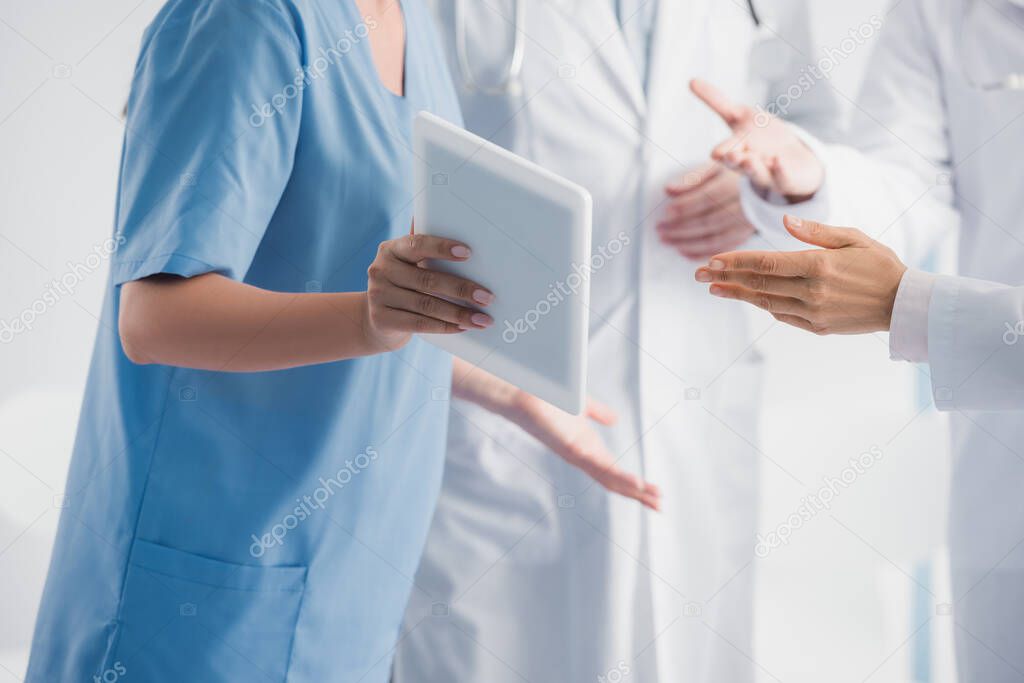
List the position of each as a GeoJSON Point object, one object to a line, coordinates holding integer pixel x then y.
{"type": "Point", "coordinates": [511, 82]}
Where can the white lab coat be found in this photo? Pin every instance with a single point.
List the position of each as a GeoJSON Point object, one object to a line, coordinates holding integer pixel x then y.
{"type": "Point", "coordinates": [975, 333]}
{"type": "Point", "coordinates": [531, 571]}
{"type": "Point", "coordinates": [929, 145]}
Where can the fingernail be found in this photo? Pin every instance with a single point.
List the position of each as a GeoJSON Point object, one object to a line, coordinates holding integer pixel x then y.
{"type": "Point", "coordinates": [481, 320]}
{"type": "Point", "coordinates": [716, 290]}
{"type": "Point", "coordinates": [795, 222]}
{"type": "Point", "coordinates": [459, 251]}
{"type": "Point", "coordinates": [716, 264]}
{"type": "Point", "coordinates": [482, 296]}
{"type": "Point", "coordinates": [703, 276]}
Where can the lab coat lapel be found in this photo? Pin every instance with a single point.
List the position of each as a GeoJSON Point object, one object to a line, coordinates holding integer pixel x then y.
{"type": "Point", "coordinates": [597, 22]}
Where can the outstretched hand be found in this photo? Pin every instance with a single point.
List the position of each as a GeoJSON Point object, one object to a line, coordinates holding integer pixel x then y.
{"type": "Point", "coordinates": [848, 287]}
{"type": "Point", "coordinates": [575, 440]}
{"type": "Point", "coordinates": [763, 147]}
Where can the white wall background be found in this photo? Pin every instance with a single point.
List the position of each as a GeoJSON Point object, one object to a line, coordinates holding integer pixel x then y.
{"type": "Point", "coordinates": [835, 604]}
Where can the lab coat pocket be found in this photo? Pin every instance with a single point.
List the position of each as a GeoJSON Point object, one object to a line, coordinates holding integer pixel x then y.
{"type": "Point", "coordinates": [186, 617]}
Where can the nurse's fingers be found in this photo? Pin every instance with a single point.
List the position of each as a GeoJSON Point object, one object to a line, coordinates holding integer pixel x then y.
{"type": "Point", "coordinates": [631, 486]}
{"type": "Point", "coordinates": [601, 413]}
{"type": "Point", "coordinates": [408, 276]}
{"type": "Point", "coordinates": [416, 248]}
{"type": "Point", "coordinates": [433, 307]}
{"type": "Point", "coordinates": [395, 320]}
{"type": "Point", "coordinates": [772, 303]}
{"type": "Point", "coordinates": [605, 472]}
{"type": "Point", "coordinates": [796, 287]}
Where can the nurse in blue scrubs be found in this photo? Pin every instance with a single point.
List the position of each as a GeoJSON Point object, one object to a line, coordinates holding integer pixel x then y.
{"type": "Point", "coordinates": [261, 440]}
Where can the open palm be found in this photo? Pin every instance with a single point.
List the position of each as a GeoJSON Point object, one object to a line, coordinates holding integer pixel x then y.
{"type": "Point", "coordinates": [574, 439]}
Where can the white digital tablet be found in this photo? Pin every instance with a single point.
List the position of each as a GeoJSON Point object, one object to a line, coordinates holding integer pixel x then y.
{"type": "Point", "coordinates": [529, 230]}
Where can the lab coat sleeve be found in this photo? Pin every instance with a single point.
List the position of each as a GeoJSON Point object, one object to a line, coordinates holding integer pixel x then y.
{"type": "Point", "coordinates": [893, 180]}
{"type": "Point", "coordinates": [976, 345]}
{"type": "Point", "coordinates": [210, 137]}
{"type": "Point", "coordinates": [908, 328]}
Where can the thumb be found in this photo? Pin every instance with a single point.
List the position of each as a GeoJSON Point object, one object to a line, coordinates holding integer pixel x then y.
{"type": "Point", "coordinates": [731, 113]}
{"type": "Point", "coordinates": [600, 413]}
{"type": "Point", "coordinates": [822, 235]}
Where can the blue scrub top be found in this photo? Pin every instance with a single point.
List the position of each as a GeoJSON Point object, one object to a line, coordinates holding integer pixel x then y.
{"type": "Point", "coordinates": [259, 526]}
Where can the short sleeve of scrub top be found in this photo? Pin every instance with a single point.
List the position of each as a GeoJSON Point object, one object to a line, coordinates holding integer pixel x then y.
{"type": "Point", "coordinates": [199, 75]}
{"type": "Point", "coordinates": [266, 526]}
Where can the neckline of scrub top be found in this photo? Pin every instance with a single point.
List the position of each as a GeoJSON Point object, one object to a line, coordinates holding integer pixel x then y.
{"type": "Point", "coordinates": [367, 52]}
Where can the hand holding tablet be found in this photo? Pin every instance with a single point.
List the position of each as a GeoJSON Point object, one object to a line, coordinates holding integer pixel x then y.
{"type": "Point", "coordinates": [404, 298]}
{"type": "Point", "coordinates": [529, 231]}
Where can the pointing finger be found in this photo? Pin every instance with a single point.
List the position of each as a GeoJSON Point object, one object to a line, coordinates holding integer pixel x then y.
{"type": "Point", "coordinates": [731, 113]}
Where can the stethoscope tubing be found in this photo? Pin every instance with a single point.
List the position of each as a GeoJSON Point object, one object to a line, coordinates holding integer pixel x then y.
{"type": "Point", "coordinates": [515, 65]}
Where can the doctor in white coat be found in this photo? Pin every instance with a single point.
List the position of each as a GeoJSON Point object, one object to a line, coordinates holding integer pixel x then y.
{"type": "Point", "coordinates": [530, 572]}
{"type": "Point", "coordinates": [941, 136]}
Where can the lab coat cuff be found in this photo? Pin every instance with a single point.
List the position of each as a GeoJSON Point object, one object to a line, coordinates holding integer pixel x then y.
{"type": "Point", "coordinates": [946, 365]}
{"type": "Point", "coordinates": [908, 329]}
{"type": "Point", "coordinates": [766, 210]}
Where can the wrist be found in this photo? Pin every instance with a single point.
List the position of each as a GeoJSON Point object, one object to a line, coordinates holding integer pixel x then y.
{"type": "Point", "coordinates": [890, 299]}
{"type": "Point", "coordinates": [519, 404]}
{"type": "Point", "coordinates": [369, 340]}
{"type": "Point", "coordinates": [508, 401]}
{"type": "Point", "coordinates": [495, 395]}
{"type": "Point", "coordinates": [374, 339]}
